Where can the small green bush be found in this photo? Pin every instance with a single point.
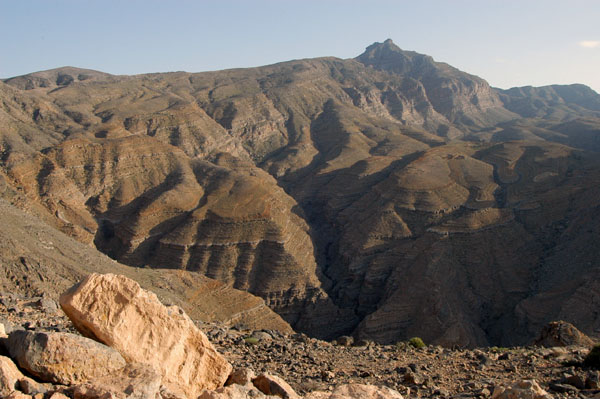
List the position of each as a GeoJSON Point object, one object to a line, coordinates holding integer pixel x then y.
{"type": "Point", "coordinates": [416, 342]}
{"type": "Point", "coordinates": [593, 358]}
{"type": "Point", "coordinates": [251, 340]}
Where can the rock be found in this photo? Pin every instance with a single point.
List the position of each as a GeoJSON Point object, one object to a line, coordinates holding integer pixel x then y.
{"type": "Point", "coordinates": [561, 333]}
{"type": "Point", "coordinates": [2, 331]}
{"type": "Point", "coordinates": [524, 389]}
{"type": "Point", "coordinates": [9, 376]}
{"type": "Point", "coordinates": [47, 305]}
{"type": "Point", "coordinates": [592, 381]}
{"type": "Point", "coordinates": [562, 388]}
{"type": "Point", "coordinates": [17, 395]}
{"type": "Point", "coordinates": [412, 378]}
{"type": "Point", "coordinates": [356, 391]}
{"type": "Point", "coordinates": [575, 380]}
{"type": "Point", "coordinates": [345, 340]}
{"type": "Point", "coordinates": [31, 387]}
{"type": "Point", "coordinates": [117, 311]}
{"type": "Point", "coordinates": [234, 392]}
{"type": "Point", "coordinates": [62, 358]}
{"type": "Point", "coordinates": [58, 395]}
{"type": "Point", "coordinates": [262, 336]}
{"type": "Point", "coordinates": [241, 376]}
{"type": "Point", "coordinates": [273, 385]}
{"type": "Point", "coordinates": [135, 381]}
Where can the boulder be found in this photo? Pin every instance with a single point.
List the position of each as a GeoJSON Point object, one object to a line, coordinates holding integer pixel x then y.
{"type": "Point", "coordinates": [273, 385]}
{"type": "Point", "coordinates": [62, 358]}
{"type": "Point", "coordinates": [561, 333]}
{"type": "Point", "coordinates": [135, 381]}
{"type": "Point", "coordinates": [524, 389]}
{"type": "Point", "coordinates": [9, 376]}
{"type": "Point", "coordinates": [356, 391]}
{"type": "Point", "coordinates": [116, 311]}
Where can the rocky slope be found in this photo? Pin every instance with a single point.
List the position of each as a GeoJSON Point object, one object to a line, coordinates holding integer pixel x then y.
{"type": "Point", "coordinates": [385, 196]}
{"type": "Point", "coordinates": [289, 364]}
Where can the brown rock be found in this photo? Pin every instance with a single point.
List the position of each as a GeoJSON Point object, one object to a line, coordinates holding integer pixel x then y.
{"type": "Point", "coordinates": [117, 311]}
{"type": "Point", "coordinates": [31, 387]}
{"type": "Point", "coordinates": [356, 391]}
{"type": "Point", "coordinates": [273, 385]}
{"type": "Point", "coordinates": [62, 357]}
{"type": "Point", "coordinates": [561, 333]}
{"type": "Point", "coordinates": [137, 381]}
{"type": "Point", "coordinates": [524, 389]}
{"type": "Point", "coordinates": [9, 376]}
{"type": "Point", "coordinates": [58, 395]}
{"type": "Point", "coordinates": [241, 376]}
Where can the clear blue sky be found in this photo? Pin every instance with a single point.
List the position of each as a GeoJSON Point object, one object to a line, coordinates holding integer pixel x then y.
{"type": "Point", "coordinates": [508, 43]}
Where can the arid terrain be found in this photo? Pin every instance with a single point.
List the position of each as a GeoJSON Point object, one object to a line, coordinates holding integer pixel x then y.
{"type": "Point", "coordinates": [382, 197]}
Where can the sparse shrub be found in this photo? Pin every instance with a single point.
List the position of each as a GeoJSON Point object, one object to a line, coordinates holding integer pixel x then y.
{"type": "Point", "coordinates": [593, 358]}
{"type": "Point", "coordinates": [251, 340]}
{"type": "Point", "coordinates": [416, 342]}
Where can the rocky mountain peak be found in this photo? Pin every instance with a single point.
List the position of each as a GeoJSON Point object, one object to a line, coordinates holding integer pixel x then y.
{"type": "Point", "coordinates": [389, 57]}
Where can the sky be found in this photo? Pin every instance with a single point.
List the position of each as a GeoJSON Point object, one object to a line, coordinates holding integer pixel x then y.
{"type": "Point", "coordinates": [508, 43]}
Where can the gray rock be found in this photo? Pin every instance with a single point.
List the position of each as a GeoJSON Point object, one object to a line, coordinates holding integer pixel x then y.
{"type": "Point", "coordinates": [62, 357]}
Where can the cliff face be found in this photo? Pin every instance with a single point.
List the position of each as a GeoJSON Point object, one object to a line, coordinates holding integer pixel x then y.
{"type": "Point", "coordinates": [388, 195]}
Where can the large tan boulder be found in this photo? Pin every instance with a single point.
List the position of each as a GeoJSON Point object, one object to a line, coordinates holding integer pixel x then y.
{"type": "Point", "coordinates": [62, 357]}
{"type": "Point", "coordinates": [116, 311]}
{"type": "Point", "coordinates": [356, 391]}
{"type": "Point", "coordinates": [524, 389]}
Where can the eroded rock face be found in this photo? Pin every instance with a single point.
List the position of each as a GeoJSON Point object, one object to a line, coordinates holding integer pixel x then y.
{"type": "Point", "coordinates": [62, 358]}
{"type": "Point", "coordinates": [117, 311]}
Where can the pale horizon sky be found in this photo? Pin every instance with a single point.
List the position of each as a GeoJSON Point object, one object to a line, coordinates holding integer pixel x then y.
{"type": "Point", "coordinates": [506, 42]}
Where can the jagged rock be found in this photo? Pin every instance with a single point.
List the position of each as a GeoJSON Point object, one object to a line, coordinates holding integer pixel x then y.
{"type": "Point", "coordinates": [524, 389]}
{"type": "Point", "coordinates": [117, 311]}
{"type": "Point", "coordinates": [9, 376]}
{"type": "Point", "coordinates": [356, 391]}
{"type": "Point", "coordinates": [241, 376]}
{"type": "Point", "coordinates": [134, 381]}
{"type": "Point", "coordinates": [561, 333]}
{"type": "Point", "coordinates": [62, 358]}
{"type": "Point", "coordinates": [273, 385]}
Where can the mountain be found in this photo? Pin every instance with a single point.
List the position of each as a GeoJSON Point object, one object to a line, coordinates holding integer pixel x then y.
{"type": "Point", "coordinates": [386, 196]}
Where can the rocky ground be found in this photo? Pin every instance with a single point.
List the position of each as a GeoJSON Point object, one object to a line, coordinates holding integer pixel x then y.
{"type": "Point", "coordinates": [308, 364]}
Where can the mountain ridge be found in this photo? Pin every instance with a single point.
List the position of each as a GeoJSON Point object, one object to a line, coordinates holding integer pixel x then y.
{"type": "Point", "coordinates": [350, 197]}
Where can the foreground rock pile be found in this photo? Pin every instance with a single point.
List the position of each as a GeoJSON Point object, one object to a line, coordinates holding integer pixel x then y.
{"type": "Point", "coordinates": [129, 345]}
